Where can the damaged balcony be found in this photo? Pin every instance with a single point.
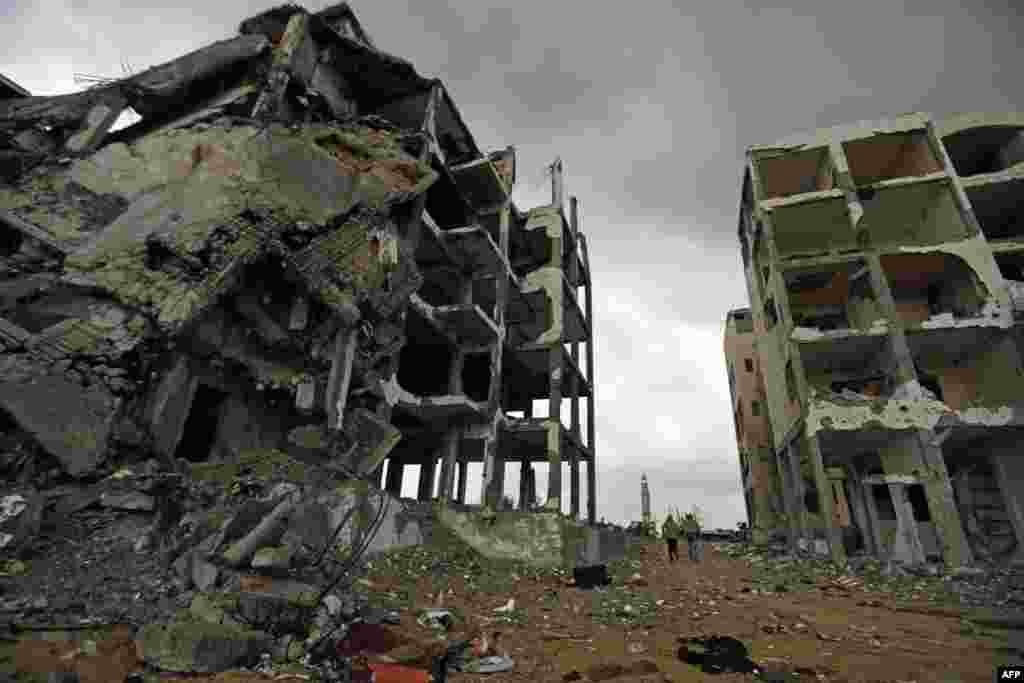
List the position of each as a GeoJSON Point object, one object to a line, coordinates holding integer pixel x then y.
{"type": "Point", "coordinates": [891, 156]}
{"type": "Point", "coordinates": [992, 147]}
{"type": "Point", "coordinates": [527, 377]}
{"type": "Point", "coordinates": [481, 184]}
{"type": "Point", "coordinates": [531, 249]}
{"type": "Point", "coordinates": [974, 371]}
{"type": "Point", "coordinates": [982, 463]}
{"type": "Point", "coordinates": [809, 215]}
{"type": "Point", "coordinates": [527, 312]}
{"type": "Point", "coordinates": [937, 290]}
{"type": "Point", "coordinates": [475, 250]}
{"type": "Point", "coordinates": [811, 225]}
{"type": "Point", "coordinates": [831, 301]}
{"type": "Point", "coordinates": [806, 171]}
{"type": "Point", "coordinates": [424, 387]}
{"type": "Point", "coordinates": [458, 324]}
{"type": "Point", "coordinates": [860, 364]}
{"type": "Point", "coordinates": [999, 207]}
{"type": "Point", "coordinates": [576, 328]}
{"type": "Point", "coordinates": [1010, 259]}
{"type": "Point", "coordinates": [528, 439]}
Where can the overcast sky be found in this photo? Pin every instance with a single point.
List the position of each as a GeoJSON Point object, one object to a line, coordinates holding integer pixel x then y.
{"type": "Point", "coordinates": [650, 104]}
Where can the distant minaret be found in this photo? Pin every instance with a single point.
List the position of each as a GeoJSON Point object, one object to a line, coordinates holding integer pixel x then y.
{"type": "Point", "coordinates": [645, 499]}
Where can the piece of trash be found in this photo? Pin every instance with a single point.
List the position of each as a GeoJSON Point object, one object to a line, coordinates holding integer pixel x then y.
{"type": "Point", "coordinates": [636, 648]}
{"type": "Point", "coordinates": [717, 654]}
{"type": "Point", "coordinates": [436, 618]}
{"type": "Point", "coordinates": [488, 665]}
{"type": "Point", "coordinates": [507, 607]}
{"type": "Point", "coordinates": [396, 673]}
{"type": "Point", "coordinates": [591, 576]}
{"type": "Point", "coordinates": [363, 638]}
{"type": "Point", "coordinates": [375, 615]}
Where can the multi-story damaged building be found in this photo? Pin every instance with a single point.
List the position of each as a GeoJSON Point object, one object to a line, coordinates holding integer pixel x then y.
{"type": "Point", "coordinates": [877, 375]}
{"type": "Point", "coordinates": [298, 248]}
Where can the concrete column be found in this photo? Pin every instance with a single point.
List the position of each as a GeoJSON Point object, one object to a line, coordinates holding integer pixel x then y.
{"type": "Point", "coordinates": [860, 511]}
{"type": "Point", "coordinates": [907, 543]}
{"type": "Point", "coordinates": [799, 492]}
{"type": "Point", "coordinates": [882, 551]}
{"type": "Point", "coordinates": [494, 474]}
{"type": "Point", "coordinates": [377, 476]}
{"type": "Point", "coordinates": [450, 451]}
{"type": "Point", "coordinates": [396, 469]}
{"type": "Point", "coordinates": [554, 449]}
{"type": "Point", "coordinates": [825, 502]}
{"type": "Point", "coordinates": [525, 469]}
{"type": "Point", "coordinates": [588, 294]}
{"type": "Point", "coordinates": [789, 499]}
{"type": "Point", "coordinates": [340, 377]}
{"type": "Point", "coordinates": [425, 491]}
{"type": "Point", "coordinates": [463, 480]}
{"type": "Point", "coordinates": [956, 552]}
{"type": "Point", "coordinates": [1009, 470]}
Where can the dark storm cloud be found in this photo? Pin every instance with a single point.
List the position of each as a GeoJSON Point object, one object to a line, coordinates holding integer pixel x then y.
{"type": "Point", "coordinates": [651, 104]}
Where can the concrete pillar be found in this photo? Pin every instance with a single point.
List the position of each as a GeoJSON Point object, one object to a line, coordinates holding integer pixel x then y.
{"type": "Point", "coordinates": [574, 417]}
{"type": "Point", "coordinates": [826, 504]}
{"type": "Point", "coordinates": [799, 491]}
{"type": "Point", "coordinates": [938, 490]}
{"type": "Point", "coordinates": [860, 511]}
{"type": "Point", "coordinates": [788, 497]}
{"type": "Point", "coordinates": [588, 296]}
{"type": "Point", "coordinates": [554, 445]}
{"type": "Point", "coordinates": [882, 551]}
{"type": "Point", "coordinates": [494, 474]}
{"type": "Point", "coordinates": [525, 469]}
{"type": "Point", "coordinates": [377, 476]}
{"type": "Point", "coordinates": [450, 452]}
{"type": "Point", "coordinates": [425, 491]}
{"type": "Point", "coordinates": [340, 377]}
{"type": "Point", "coordinates": [1009, 470]}
{"type": "Point", "coordinates": [907, 542]}
{"type": "Point", "coordinates": [396, 469]}
{"type": "Point", "coordinates": [463, 481]}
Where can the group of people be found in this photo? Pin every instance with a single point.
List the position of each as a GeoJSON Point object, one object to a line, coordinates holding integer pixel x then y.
{"type": "Point", "coordinates": [688, 526]}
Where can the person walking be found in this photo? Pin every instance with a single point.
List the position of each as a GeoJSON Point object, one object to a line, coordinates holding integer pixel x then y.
{"type": "Point", "coordinates": [670, 532]}
{"type": "Point", "coordinates": [691, 527]}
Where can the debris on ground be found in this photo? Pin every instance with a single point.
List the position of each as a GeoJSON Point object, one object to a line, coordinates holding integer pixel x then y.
{"type": "Point", "coordinates": [717, 654]}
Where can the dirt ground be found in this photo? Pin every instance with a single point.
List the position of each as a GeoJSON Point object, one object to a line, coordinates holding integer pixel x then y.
{"type": "Point", "coordinates": [840, 633]}
{"type": "Point", "coordinates": [823, 628]}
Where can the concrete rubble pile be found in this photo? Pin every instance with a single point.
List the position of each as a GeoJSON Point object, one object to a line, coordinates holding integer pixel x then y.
{"type": "Point", "coordinates": [203, 316]}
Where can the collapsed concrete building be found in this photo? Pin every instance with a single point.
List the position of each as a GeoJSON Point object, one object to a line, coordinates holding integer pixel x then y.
{"type": "Point", "coordinates": [297, 248]}
{"type": "Point", "coordinates": [877, 374]}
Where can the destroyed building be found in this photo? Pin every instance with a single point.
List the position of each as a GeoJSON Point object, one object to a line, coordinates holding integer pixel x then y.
{"type": "Point", "coordinates": [297, 248]}
{"type": "Point", "coordinates": [876, 376]}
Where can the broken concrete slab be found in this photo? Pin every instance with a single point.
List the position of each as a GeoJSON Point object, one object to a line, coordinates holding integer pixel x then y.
{"type": "Point", "coordinates": [129, 500]}
{"type": "Point", "coordinates": [267, 533]}
{"type": "Point", "coordinates": [70, 421]}
{"type": "Point", "coordinates": [273, 559]}
{"type": "Point", "coordinates": [267, 611]}
{"type": "Point", "coordinates": [21, 514]}
{"type": "Point", "coordinates": [200, 646]}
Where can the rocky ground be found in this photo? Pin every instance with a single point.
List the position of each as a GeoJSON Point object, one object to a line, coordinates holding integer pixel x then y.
{"type": "Point", "coordinates": [77, 603]}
